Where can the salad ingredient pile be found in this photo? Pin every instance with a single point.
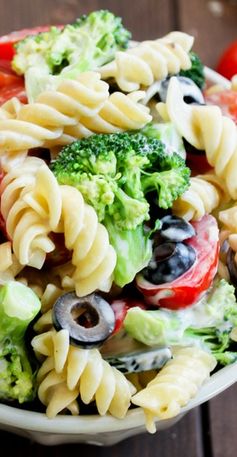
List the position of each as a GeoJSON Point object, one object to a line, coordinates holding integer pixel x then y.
{"type": "Point", "coordinates": [105, 237]}
{"type": "Point", "coordinates": [115, 173]}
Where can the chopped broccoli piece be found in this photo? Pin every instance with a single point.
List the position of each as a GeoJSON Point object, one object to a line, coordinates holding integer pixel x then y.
{"type": "Point", "coordinates": [170, 182]}
{"type": "Point", "coordinates": [196, 72]}
{"type": "Point", "coordinates": [18, 307]}
{"type": "Point", "coordinates": [208, 323]}
{"type": "Point", "coordinates": [114, 172]}
{"type": "Point", "coordinates": [85, 45]}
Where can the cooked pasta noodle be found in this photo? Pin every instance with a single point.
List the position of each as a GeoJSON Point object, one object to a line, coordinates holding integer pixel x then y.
{"type": "Point", "coordinates": [74, 110]}
{"type": "Point", "coordinates": [33, 204]}
{"type": "Point", "coordinates": [92, 254]}
{"type": "Point", "coordinates": [81, 372]}
{"type": "Point", "coordinates": [176, 383]}
{"type": "Point", "coordinates": [149, 61]}
{"type": "Point", "coordinates": [28, 228]}
{"type": "Point", "coordinates": [120, 112]}
{"type": "Point", "coordinates": [207, 129]}
{"type": "Point", "coordinates": [205, 193]}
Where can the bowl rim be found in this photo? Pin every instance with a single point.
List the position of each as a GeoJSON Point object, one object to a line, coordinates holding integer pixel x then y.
{"type": "Point", "coordinates": [94, 424]}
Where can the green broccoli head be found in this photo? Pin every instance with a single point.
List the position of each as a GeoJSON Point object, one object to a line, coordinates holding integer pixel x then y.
{"type": "Point", "coordinates": [196, 72]}
{"type": "Point", "coordinates": [18, 307]}
{"type": "Point", "coordinates": [85, 45]}
{"type": "Point", "coordinates": [115, 172]}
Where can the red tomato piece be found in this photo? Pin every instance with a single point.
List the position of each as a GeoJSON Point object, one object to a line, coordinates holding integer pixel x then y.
{"type": "Point", "coordinates": [188, 288]}
{"type": "Point", "coordinates": [227, 65]}
{"type": "Point", "coordinates": [13, 90]}
{"type": "Point", "coordinates": [7, 42]}
{"type": "Point", "coordinates": [226, 100]}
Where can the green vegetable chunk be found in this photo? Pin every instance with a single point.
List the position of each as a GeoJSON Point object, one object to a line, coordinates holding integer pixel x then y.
{"type": "Point", "coordinates": [85, 45]}
{"type": "Point", "coordinates": [114, 173]}
{"type": "Point", "coordinates": [207, 323]}
{"type": "Point", "coordinates": [18, 307]}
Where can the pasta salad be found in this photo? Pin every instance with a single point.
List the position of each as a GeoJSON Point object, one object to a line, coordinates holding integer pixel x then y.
{"type": "Point", "coordinates": [118, 221]}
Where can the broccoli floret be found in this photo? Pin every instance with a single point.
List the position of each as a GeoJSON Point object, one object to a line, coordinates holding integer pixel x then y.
{"type": "Point", "coordinates": [170, 182]}
{"type": "Point", "coordinates": [196, 72]}
{"type": "Point", "coordinates": [114, 172]}
{"type": "Point", "coordinates": [18, 307]}
{"type": "Point", "coordinates": [85, 45]}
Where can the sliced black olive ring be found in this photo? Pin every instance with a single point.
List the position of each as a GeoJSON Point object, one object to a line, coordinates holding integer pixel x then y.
{"type": "Point", "coordinates": [90, 320]}
{"type": "Point", "coordinates": [169, 261]}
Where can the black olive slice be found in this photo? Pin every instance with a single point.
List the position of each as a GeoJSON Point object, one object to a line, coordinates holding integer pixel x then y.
{"type": "Point", "coordinates": [191, 92]}
{"type": "Point", "coordinates": [90, 320]}
{"type": "Point", "coordinates": [169, 261]}
{"type": "Point", "coordinates": [232, 267]}
{"type": "Point", "coordinates": [175, 228]}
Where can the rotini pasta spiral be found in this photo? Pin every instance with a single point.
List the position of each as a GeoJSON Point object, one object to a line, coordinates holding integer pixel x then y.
{"type": "Point", "coordinates": [27, 226]}
{"type": "Point", "coordinates": [120, 112]}
{"type": "Point", "coordinates": [149, 61]}
{"type": "Point", "coordinates": [207, 129]}
{"type": "Point", "coordinates": [175, 384]}
{"type": "Point", "coordinates": [93, 256]}
{"type": "Point", "coordinates": [79, 372]}
{"type": "Point", "coordinates": [74, 110]}
{"type": "Point", "coordinates": [33, 204]}
{"type": "Point", "coordinates": [44, 120]}
{"type": "Point", "coordinates": [205, 193]}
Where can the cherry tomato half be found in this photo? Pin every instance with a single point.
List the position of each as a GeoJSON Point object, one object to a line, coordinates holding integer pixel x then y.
{"type": "Point", "coordinates": [227, 65]}
{"type": "Point", "coordinates": [186, 289]}
{"type": "Point", "coordinates": [7, 42]}
{"type": "Point", "coordinates": [226, 100]}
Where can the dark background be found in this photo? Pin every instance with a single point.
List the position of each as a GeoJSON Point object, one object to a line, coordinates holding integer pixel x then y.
{"type": "Point", "coordinates": [209, 431]}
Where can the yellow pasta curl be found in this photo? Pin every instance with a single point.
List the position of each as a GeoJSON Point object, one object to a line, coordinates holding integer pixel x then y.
{"type": "Point", "coordinates": [79, 372]}
{"type": "Point", "coordinates": [205, 193]}
{"type": "Point", "coordinates": [76, 109]}
{"type": "Point", "coordinates": [149, 61]}
{"type": "Point", "coordinates": [33, 204]}
{"type": "Point", "coordinates": [176, 383]}
{"type": "Point", "coordinates": [207, 129]}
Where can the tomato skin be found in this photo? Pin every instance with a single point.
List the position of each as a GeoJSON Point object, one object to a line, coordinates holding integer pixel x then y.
{"type": "Point", "coordinates": [226, 100]}
{"type": "Point", "coordinates": [7, 42]}
{"type": "Point", "coordinates": [120, 308]}
{"type": "Point", "coordinates": [13, 90]}
{"type": "Point", "coordinates": [227, 65]}
{"type": "Point", "coordinates": [188, 288]}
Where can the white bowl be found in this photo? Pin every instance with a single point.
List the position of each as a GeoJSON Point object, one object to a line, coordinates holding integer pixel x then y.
{"type": "Point", "coordinates": [105, 431]}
